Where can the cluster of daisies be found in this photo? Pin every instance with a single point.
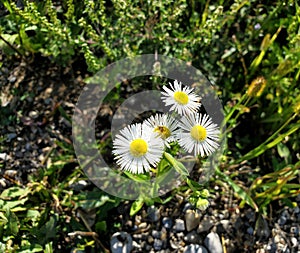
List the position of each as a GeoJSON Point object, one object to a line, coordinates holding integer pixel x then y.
{"type": "Point", "coordinates": [140, 146]}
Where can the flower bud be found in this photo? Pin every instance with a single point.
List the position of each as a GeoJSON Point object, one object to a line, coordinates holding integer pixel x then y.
{"type": "Point", "coordinates": [257, 87]}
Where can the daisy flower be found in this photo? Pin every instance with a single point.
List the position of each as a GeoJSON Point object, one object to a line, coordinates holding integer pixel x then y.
{"type": "Point", "coordinates": [136, 148]}
{"type": "Point", "coordinates": [182, 99]}
{"type": "Point", "coordinates": [199, 134]}
{"type": "Point", "coordinates": [163, 125]}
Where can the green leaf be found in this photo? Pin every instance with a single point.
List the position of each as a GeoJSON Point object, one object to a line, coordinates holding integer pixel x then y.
{"type": "Point", "coordinates": [178, 166]}
{"type": "Point", "coordinates": [136, 206]}
{"type": "Point", "coordinates": [46, 231]}
{"type": "Point", "coordinates": [12, 223]}
{"type": "Point", "coordinates": [49, 248]}
{"type": "Point", "coordinates": [10, 38]}
{"type": "Point", "coordinates": [94, 199]}
{"type": "Point", "coordinates": [31, 248]}
{"type": "Point", "coordinates": [283, 150]}
{"type": "Point", "coordinates": [101, 226]}
{"type": "Point", "coordinates": [14, 192]}
{"type": "Point", "coordinates": [16, 205]}
{"type": "Point", "coordinates": [142, 178]}
{"type": "Point", "coordinates": [2, 247]}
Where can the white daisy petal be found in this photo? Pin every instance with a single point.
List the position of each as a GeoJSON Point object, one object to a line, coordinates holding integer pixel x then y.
{"type": "Point", "coordinates": [181, 99]}
{"type": "Point", "coordinates": [198, 134]}
{"type": "Point", "coordinates": [137, 148]}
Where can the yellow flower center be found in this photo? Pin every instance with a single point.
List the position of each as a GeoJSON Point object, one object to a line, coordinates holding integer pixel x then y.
{"type": "Point", "coordinates": [198, 133]}
{"type": "Point", "coordinates": [181, 97]}
{"type": "Point", "coordinates": [163, 131]}
{"type": "Point", "coordinates": [138, 147]}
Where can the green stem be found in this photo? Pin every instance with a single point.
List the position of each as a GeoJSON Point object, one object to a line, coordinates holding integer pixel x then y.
{"type": "Point", "coordinates": [239, 112]}
{"type": "Point", "coordinates": [280, 128]}
{"type": "Point", "coordinates": [234, 108]}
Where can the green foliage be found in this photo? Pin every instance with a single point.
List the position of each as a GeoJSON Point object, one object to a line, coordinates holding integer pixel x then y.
{"type": "Point", "coordinates": [33, 217]}
{"type": "Point", "coordinates": [104, 32]}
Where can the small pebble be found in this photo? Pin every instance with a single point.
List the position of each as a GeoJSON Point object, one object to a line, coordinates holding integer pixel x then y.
{"type": "Point", "coordinates": [157, 245]}
{"type": "Point", "coordinates": [238, 223]}
{"type": "Point", "coordinates": [156, 234]}
{"type": "Point", "coordinates": [150, 239]}
{"type": "Point", "coordinates": [294, 230]}
{"type": "Point", "coordinates": [33, 114]}
{"type": "Point", "coordinates": [11, 173]}
{"type": "Point", "coordinates": [223, 226]}
{"type": "Point", "coordinates": [277, 239]}
{"type": "Point", "coordinates": [2, 182]}
{"type": "Point", "coordinates": [11, 136]}
{"type": "Point", "coordinates": [12, 78]}
{"type": "Point", "coordinates": [205, 225]}
{"type": "Point", "coordinates": [179, 225]}
{"type": "Point", "coordinates": [78, 186]}
{"type": "Point", "coordinates": [192, 219]}
{"type": "Point", "coordinates": [121, 242]}
{"type": "Point", "coordinates": [167, 222]}
{"type": "Point", "coordinates": [271, 247]}
{"type": "Point", "coordinates": [187, 206]}
{"type": "Point", "coordinates": [282, 220]}
{"type": "Point", "coordinates": [174, 243]}
{"type": "Point", "coordinates": [213, 243]}
{"type": "Point", "coordinates": [4, 156]}
{"type": "Point", "coordinates": [143, 225]}
{"type": "Point", "coordinates": [194, 248]}
{"type": "Point", "coordinates": [250, 230]}
{"type": "Point", "coordinates": [297, 209]}
{"type": "Point", "coordinates": [153, 214]}
{"type": "Point", "coordinates": [192, 237]}
{"type": "Point", "coordinates": [294, 242]}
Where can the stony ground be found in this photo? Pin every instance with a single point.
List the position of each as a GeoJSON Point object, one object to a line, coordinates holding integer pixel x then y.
{"type": "Point", "coordinates": [31, 95]}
